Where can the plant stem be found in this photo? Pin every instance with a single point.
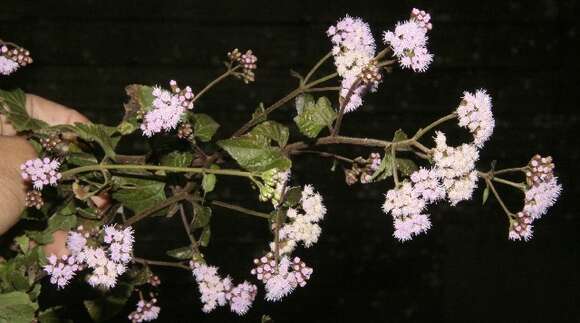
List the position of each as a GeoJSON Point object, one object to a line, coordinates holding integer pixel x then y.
{"type": "Point", "coordinates": [323, 89]}
{"type": "Point", "coordinates": [342, 107]}
{"type": "Point", "coordinates": [331, 140]}
{"type": "Point", "coordinates": [504, 207]}
{"type": "Point", "coordinates": [324, 154]}
{"type": "Point", "coordinates": [82, 169]}
{"type": "Point", "coordinates": [421, 132]}
{"type": "Point", "coordinates": [168, 202]}
{"type": "Point", "coordinates": [186, 225]}
{"type": "Point", "coordinates": [394, 165]}
{"type": "Point", "coordinates": [227, 73]}
{"type": "Point", "coordinates": [510, 170]}
{"type": "Point", "coordinates": [315, 68]}
{"type": "Point", "coordinates": [520, 186]}
{"type": "Point", "coordinates": [240, 209]}
{"type": "Point", "coordinates": [161, 263]}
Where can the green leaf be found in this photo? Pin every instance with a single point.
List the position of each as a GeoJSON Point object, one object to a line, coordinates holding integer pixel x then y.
{"type": "Point", "coordinates": [485, 195]}
{"type": "Point", "coordinates": [314, 117]}
{"type": "Point", "coordinates": [385, 169]}
{"type": "Point", "coordinates": [252, 155]}
{"type": "Point", "coordinates": [16, 307]}
{"type": "Point", "coordinates": [202, 217]}
{"type": "Point", "coordinates": [273, 131]}
{"type": "Point", "coordinates": [406, 166]}
{"type": "Point", "coordinates": [293, 196]}
{"type": "Point", "coordinates": [141, 194]}
{"type": "Point", "coordinates": [182, 253]}
{"type": "Point", "coordinates": [23, 243]}
{"type": "Point", "coordinates": [177, 159]}
{"type": "Point", "coordinates": [266, 319]}
{"type": "Point", "coordinates": [208, 182]}
{"type": "Point", "coordinates": [258, 115]}
{"type": "Point", "coordinates": [400, 135]}
{"type": "Point", "coordinates": [100, 134]}
{"type": "Point", "coordinates": [140, 100]}
{"type": "Point", "coordinates": [64, 219]}
{"type": "Point", "coordinates": [304, 100]}
{"type": "Point", "coordinates": [109, 304]}
{"type": "Point", "coordinates": [205, 127]}
{"type": "Point", "coordinates": [205, 237]}
{"type": "Point", "coordinates": [52, 315]}
{"type": "Point", "coordinates": [13, 106]}
{"type": "Point", "coordinates": [81, 159]}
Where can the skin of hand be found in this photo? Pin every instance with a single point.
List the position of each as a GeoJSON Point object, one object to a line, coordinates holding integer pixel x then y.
{"type": "Point", "coordinates": [14, 151]}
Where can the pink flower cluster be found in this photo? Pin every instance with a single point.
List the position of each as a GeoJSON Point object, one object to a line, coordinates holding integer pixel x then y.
{"type": "Point", "coordinates": [281, 279]}
{"type": "Point", "coordinates": [474, 113]}
{"type": "Point", "coordinates": [409, 41]}
{"type": "Point", "coordinates": [107, 262]}
{"type": "Point", "coordinates": [216, 291]}
{"type": "Point", "coordinates": [353, 51]}
{"type": "Point", "coordinates": [146, 311]}
{"type": "Point", "coordinates": [542, 192]}
{"type": "Point", "coordinates": [168, 109]}
{"type": "Point", "coordinates": [41, 172]}
{"type": "Point", "coordinates": [12, 58]}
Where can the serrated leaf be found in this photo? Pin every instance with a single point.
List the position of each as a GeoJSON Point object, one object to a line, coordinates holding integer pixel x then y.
{"type": "Point", "coordinates": [485, 195]}
{"type": "Point", "coordinates": [258, 115]}
{"type": "Point", "coordinates": [202, 217]}
{"type": "Point", "coordinates": [140, 99]}
{"type": "Point", "coordinates": [293, 196]}
{"type": "Point", "coordinates": [208, 182]}
{"type": "Point", "coordinates": [252, 155]}
{"type": "Point", "coordinates": [100, 134]}
{"type": "Point", "coordinates": [177, 159]}
{"type": "Point", "coordinates": [205, 237]}
{"type": "Point", "coordinates": [143, 194]}
{"type": "Point", "coordinates": [183, 253]}
{"type": "Point", "coordinates": [108, 305]}
{"type": "Point", "coordinates": [51, 315]}
{"type": "Point", "coordinates": [314, 117]}
{"type": "Point", "coordinates": [81, 159]}
{"type": "Point", "coordinates": [13, 106]}
{"type": "Point", "coordinates": [64, 219]}
{"type": "Point", "coordinates": [400, 135]}
{"type": "Point", "coordinates": [23, 243]}
{"type": "Point", "coordinates": [273, 131]}
{"type": "Point", "coordinates": [406, 166]}
{"type": "Point", "coordinates": [205, 127]}
{"type": "Point", "coordinates": [302, 101]}
{"type": "Point", "coordinates": [16, 307]}
{"type": "Point", "coordinates": [385, 169]}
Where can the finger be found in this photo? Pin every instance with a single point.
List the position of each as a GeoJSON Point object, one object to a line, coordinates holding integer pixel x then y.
{"type": "Point", "coordinates": [58, 245]}
{"type": "Point", "coordinates": [45, 110]}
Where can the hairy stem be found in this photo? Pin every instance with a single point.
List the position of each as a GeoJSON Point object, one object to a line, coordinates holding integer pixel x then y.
{"type": "Point", "coordinates": [500, 201]}
{"type": "Point", "coordinates": [394, 165]}
{"type": "Point", "coordinates": [317, 66]}
{"type": "Point", "coordinates": [220, 78]}
{"type": "Point", "coordinates": [84, 169]}
{"type": "Point", "coordinates": [161, 263]}
{"type": "Point", "coordinates": [168, 202]}
{"type": "Point", "coordinates": [240, 209]}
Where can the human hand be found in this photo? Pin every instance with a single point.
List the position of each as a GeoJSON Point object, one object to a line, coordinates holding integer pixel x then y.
{"type": "Point", "coordinates": [15, 150]}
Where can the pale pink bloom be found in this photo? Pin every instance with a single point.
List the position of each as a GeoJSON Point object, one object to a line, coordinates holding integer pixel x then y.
{"type": "Point", "coordinates": [146, 311]}
{"type": "Point", "coordinates": [474, 113]}
{"type": "Point", "coordinates": [521, 227]}
{"type": "Point", "coordinates": [408, 226]}
{"type": "Point", "coordinates": [41, 172]}
{"type": "Point", "coordinates": [539, 198]}
{"type": "Point", "coordinates": [409, 42]}
{"type": "Point", "coordinates": [7, 66]}
{"type": "Point", "coordinates": [168, 109]}
{"type": "Point", "coordinates": [281, 279]}
{"type": "Point", "coordinates": [62, 270]}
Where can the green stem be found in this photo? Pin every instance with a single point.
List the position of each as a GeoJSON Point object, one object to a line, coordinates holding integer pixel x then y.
{"type": "Point", "coordinates": [84, 169]}
{"type": "Point", "coordinates": [511, 170]}
{"type": "Point", "coordinates": [240, 209]}
{"type": "Point", "coordinates": [394, 165]}
{"type": "Point", "coordinates": [227, 73]}
{"type": "Point", "coordinates": [161, 263]}
{"type": "Point", "coordinates": [168, 202]}
{"type": "Point", "coordinates": [323, 89]}
{"type": "Point", "coordinates": [492, 187]}
{"type": "Point", "coordinates": [315, 68]}
{"type": "Point", "coordinates": [520, 186]}
{"type": "Point", "coordinates": [421, 132]}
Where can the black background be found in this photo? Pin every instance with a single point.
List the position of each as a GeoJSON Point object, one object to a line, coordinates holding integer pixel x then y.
{"type": "Point", "coordinates": [464, 269]}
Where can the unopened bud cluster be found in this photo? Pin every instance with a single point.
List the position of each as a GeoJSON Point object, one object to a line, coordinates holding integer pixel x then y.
{"type": "Point", "coordinates": [521, 226]}
{"type": "Point", "coordinates": [34, 199]}
{"type": "Point", "coordinates": [12, 58]}
{"type": "Point", "coordinates": [248, 63]}
{"type": "Point", "coordinates": [540, 170]}
{"type": "Point", "coordinates": [146, 311]}
{"type": "Point", "coordinates": [52, 143]}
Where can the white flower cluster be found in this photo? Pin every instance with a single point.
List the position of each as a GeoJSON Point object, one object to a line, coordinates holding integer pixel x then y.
{"type": "Point", "coordinates": [12, 57]}
{"type": "Point", "coordinates": [455, 166]}
{"type": "Point", "coordinates": [107, 262]}
{"type": "Point", "coordinates": [168, 109]}
{"type": "Point", "coordinates": [406, 206]}
{"type": "Point", "coordinates": [61, 270]}
{"type": "Point", "coordinates": [353, 51]}
{"type": "Point", "coordinates": [41, 172]}
{"type": "Point", "coordinates": [281, 280]}
{"type": "Point", "coordinates": [216, 291]}
{"type": "Point", "coordinates": [542, 192]}
{"type": "Point", "coordinates": [409, 41]}
{"type": "Point", "coordinates": [146, 311]}
{"type": "Point", "coordinates": [474, 113]}
{"type": "Point", "coordinates": [303, 226]}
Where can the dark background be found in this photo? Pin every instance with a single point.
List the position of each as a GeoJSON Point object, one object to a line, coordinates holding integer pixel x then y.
{"type": "Point", "coordinates": [464, 269]}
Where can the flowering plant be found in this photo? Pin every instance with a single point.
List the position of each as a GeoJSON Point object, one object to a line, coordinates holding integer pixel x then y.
{"type": "Point", "coordinates": [180, 179]}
